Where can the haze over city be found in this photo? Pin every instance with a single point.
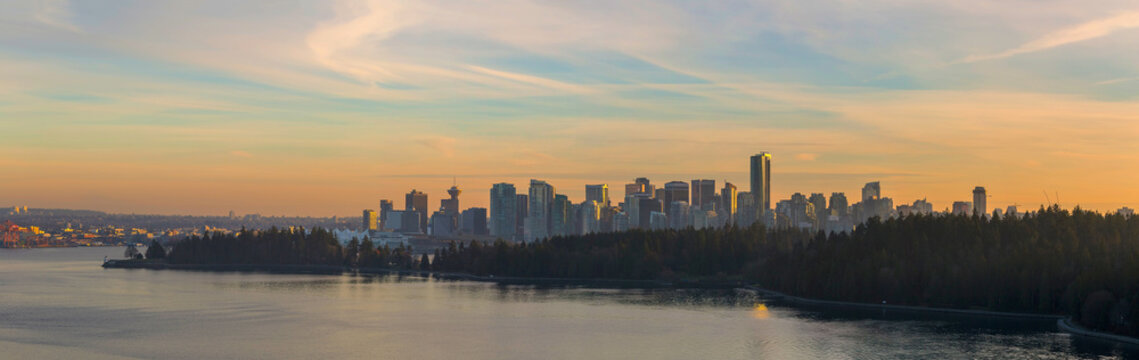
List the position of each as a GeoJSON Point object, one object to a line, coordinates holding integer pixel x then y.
{"type": "Point", "coordinates": [323, 108]}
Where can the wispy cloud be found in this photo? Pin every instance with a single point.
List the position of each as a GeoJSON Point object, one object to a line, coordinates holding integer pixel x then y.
{"type": "Point", "coordinates": [56, 13]}
{"type": "Point", "coordinates": [1086, 31]}
{"type": "Point", "coordinates": [444, 145]}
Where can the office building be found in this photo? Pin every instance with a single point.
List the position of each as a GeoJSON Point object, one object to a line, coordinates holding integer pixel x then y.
{"type": "Point", "coordinates": [522, 208]}
{"type": "Point", "coordinates": [598, 193]}
{"type": "Point", "coordinates": [703, 192]}
{"type": "Point", "coordinates": [678, 217]}
{"type": "Point", "coordinates": [560, 216]}
{"type": "Point", "coordinates": [819, 205]}
{"type": "Point", "coordinates": [838, 205]}
{"type": "Point", "coordinates": [980, 203]}
{"type": "Point", "coordinates": [674, 191]}
{"type": "Point", "coordinates": [590, 217]}
{"type": "Point", "coordinates": [728, 202]}
{"type": "Point", "coordinates": [385, 207]}
{"type": "Point", "coordinates": [871, 191]}
{"type": "Point", "coordinates": [761, 183]}
{"type": "Point", "coordinates": [538, 223]}
{"type": "Point", "coordinates": [417, 201]}
{"type": "Point", "coordinates": [371, 220]}
{"type": "Point", "coordinates": [474, 221]}
{"type": "Point", "coordinates": [503, 213]}
{"type": "Point", "coordinates": [962, 208]}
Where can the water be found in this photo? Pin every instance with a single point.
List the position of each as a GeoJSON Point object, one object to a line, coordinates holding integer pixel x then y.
{"type": "Point", "coordinates": [59, 304]}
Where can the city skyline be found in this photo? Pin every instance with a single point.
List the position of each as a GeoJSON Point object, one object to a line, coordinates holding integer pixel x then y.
{"type": "Point", "coordinates": [321, 109]}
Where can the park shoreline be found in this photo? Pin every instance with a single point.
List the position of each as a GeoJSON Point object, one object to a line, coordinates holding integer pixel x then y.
{"type": "Point", "coordinates": [1063, 323]}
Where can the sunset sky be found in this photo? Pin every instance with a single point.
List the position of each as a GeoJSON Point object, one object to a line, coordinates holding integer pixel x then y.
{"type": "Point", "coordinates": [325, 107]}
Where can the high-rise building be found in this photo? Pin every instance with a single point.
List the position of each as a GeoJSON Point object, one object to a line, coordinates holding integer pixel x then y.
{"type": "Point", "coordinates": [645, 207]}
{"type": "Point", "coordinates": [503, 213]}
{"type": "Point", "coordinates": [385, 207]}
{"type": "Point", "coordinates": [474, 221]}
{"type": "Point", "coordinates": [980, 206]}
{"type": "Point", "coordinates": [417, 201]}
{"type": "Point", "coordinates": [761, 183]}
{"type": "Point", "coordinates": [1124, 211]}
{"type": "Point", "coordinates": [598, 193]}
{"type": "Point", "coordinates": [872, 191]}
{"type": "Point", "coordinates": [745, 205]}
{"type": "Point", "coordinates": [371, 219]}
{"type": "Point", "coordinates": [728, 207]}
{"type": "Point", "coordinates": [678, 214]}
{"type": "Point", "coordinates": [639, 186]}
{"type": "Point", "coordinates": [838, 205]}
{"type": "Point", "coordinates": [560, 218]}
{"type": "Point", "coordinates": [522, 208]}
{"type": "Point", "coordinates": [451, 206]}
{"type": "Point", "coordinates": [819, 204]}
{"type": "Point", "coordinates": [702, 194]}
{"type": "Point", "coordinates": [590, 217]}
{"type": "Point", "coordinates": [538, 222]}
{"type": "Point", "coordinates": [674, 191]}
{"type": "Point", "coordinates": [962, 208]}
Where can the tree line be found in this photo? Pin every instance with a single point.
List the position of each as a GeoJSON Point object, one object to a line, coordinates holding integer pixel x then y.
{"type": "Point", "coordinates": [1077, 263]}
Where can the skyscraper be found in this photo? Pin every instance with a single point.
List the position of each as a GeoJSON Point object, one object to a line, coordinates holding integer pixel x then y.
{"type": "Point", "coordinates": [474, 221]}
{"type": "Point", "coordinates": [598, 193]}
{"type": "Point", "coordinates": [559, 215]}
{"type": "Point", "coordinates": [980, 206]}
{"type": "Point", "coordinates": [761, 183]}
{"type": "Point", "coordinates": [819, 205]}
{"type": "Point", "coordinates": [702, 194]}
{"type": "Point", "coordinates": [728, 198]}
{"type": "Point", "coordinates": [639, 186]}
{"type": "Point", "coordinates": [872, 191]}
{"type": "Point", "coordinates": [503, 213]}
{"type": "Point", "coordinates": [386, 206]}
{"type": "Point", "coordinates": [838, 204]}
{"type": "Point", "coordinates": [538, 224]}
{"type": "Point", "coordinates": [417, 201]}
{"type": "Point", "coordinates": [674, 191]}
{"type": "Point", "coordinates": [522, 210]}
{"type": "Point", "coordinates": [371, 220]}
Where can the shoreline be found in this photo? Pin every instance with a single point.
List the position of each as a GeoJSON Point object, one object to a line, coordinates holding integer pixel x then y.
{"type": "Point", "coordinates": [503, 280]}
{"type": "Point", "coordinates": [1063, 323]}
{"type": "Point", "coordinates": [985, 313]}
{"type": "Point", "coordinates": [1067, 325]}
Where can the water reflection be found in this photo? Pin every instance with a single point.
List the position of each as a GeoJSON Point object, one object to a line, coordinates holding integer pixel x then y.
{"type": "Point", "coordinates": [60, 301]}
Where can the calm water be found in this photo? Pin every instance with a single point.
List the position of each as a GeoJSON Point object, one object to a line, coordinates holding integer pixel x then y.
{"type": "Point", "coordinates": [58, 303]}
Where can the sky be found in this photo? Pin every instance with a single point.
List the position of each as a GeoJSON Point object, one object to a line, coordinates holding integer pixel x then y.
{"type": "Point", "coordinates": [325, 107]}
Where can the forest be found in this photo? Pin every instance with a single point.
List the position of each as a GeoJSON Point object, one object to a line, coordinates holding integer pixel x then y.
{"type": "Point", "coordinates": [1053, 261]}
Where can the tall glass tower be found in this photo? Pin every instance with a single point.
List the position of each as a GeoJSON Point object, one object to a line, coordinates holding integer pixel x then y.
{"type": "Point", "coordinates": [761, 182]}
